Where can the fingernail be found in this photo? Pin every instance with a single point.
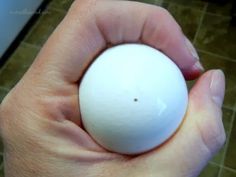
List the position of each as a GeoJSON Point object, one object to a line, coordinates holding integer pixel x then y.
{"type": "Point", "coordinates": [217, 87]}
{"type": "Point", "coordinates": [197, 66]}
{"type": "Point", "coordinates": [191, 49]}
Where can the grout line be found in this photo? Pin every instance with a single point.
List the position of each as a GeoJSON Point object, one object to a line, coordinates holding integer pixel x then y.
{"type": "Point", "coordinates": [227, 168]}
{"type": "Point", "coordinates": [221, 166]}
{"type": "Point", "coordinates": [217, 55]}
{"type": "Point", "coordinates": [24, 43]}
{"type": "Point", "coordinates": [55, 9]}
{"type": "Point", "coordinates": [230, 169]}
{"type": "Point", "coordinates": [31, 45]}
{"type": "Point", "coordinates": [40, 18]}
{"type": "Point", "coordinates": [218, 165]}
{"type": "Point", "coordinates": [227, 144]}
{"type": "Point", "coordinates": [208, 13]}
{"type": "Point", "coordinates": [214, 163]}
{"type": "Point", "coordinates": [229, 108]}
{"type": "Point", "coordinates": [224, 151]}
{"type": "Point", "coordinates": [5, 64]}
{"type": "Point", "coordinates": [4, 89]}
{"type": "Point", "coordinates": [200, 23]}
{"type": "Point", "coordinates": [218, 15]}
{"type": "Point", "coordinates": [37, 23]}
{"type": "Point", "coordinates": [33, 26]}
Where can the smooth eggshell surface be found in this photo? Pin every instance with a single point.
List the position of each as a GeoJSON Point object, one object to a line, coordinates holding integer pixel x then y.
{"type": "Point", "coordinates": [132, 98]}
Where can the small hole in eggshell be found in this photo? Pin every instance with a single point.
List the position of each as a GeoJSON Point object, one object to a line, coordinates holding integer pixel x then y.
{"type": "Point", "coordinates": [135, 99]}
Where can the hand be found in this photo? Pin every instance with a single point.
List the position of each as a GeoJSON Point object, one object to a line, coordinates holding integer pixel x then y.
{"type": "Point", "coordinates": [40, 119]}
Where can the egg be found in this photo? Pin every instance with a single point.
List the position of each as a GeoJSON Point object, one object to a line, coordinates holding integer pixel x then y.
{"type": "Point", "coordinates": [132, 98]}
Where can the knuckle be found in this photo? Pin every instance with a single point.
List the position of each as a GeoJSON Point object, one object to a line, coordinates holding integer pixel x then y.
{"type": "Point", "coordinates": [168, 20]}
{"type": "Point", "coordinates": [222, 139]}
{"type": "Point", "coordinates": [213, 134]}
{"type": "Point", "coordinates": [217, 139]}
{"type": "Point", "coordinates": [82, 8]}
{"type": "Point", "coordinates": [168, 17]}
{"type": "Point", "coordinates": [164, 12]}
{"type": "Point", "coordinates": [217, 142]}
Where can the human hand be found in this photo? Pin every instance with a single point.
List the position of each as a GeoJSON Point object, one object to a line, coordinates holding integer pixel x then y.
{"type": "Point", "coordinates": [40, 119]}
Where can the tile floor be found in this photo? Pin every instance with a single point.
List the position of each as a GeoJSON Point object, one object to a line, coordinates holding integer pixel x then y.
{"type": "Point", "coordinates": [208, 27]}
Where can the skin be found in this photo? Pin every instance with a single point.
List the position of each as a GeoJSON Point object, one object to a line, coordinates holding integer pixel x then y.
{"type": "Point", "coordinates": [40, 120]}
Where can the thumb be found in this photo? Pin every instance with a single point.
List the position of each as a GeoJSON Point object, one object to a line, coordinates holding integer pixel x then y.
{"type": "Point", "coordinates": [201, 134]}
{"type": "Point", "coordinates": [206, 99]}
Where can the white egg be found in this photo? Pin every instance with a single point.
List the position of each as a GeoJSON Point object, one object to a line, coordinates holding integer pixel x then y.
{"type": "Point", "coordinates": [132, 98]}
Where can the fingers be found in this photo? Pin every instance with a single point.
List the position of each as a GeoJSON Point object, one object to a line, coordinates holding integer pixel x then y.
{"type": "Point", "coordinates": [92, 26]}
{"type": "Point", "coordinates": [162, 32]}
{"type": "Point", "coordinates": [202, 133]}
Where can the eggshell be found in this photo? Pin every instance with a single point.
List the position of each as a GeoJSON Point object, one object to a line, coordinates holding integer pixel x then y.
{"type": "Point", "coordinates": [132, 98]}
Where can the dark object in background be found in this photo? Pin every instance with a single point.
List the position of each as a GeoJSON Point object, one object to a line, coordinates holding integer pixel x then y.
{"type": "Point", "coordinates": [233, 10]}
{"type": "Point", "coordinates": [233, 13]}
{"type": "Point", "coordinates": [222, 2]}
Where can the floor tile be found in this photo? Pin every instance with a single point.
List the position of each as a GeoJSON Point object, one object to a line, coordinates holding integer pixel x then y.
{"type": "Point", "coordinates": [216, 35]}
{"type": "Point", "coordinates": [230, 158]}
{"type": "Point", "coordinates": [1, 159]}
{"type": "Point", "coordinates": [2, 172]}
{"type": "Point", "coordinates": [228, 173]}
{"type": "Point", "coordinates": [17, 65]}
{"type": "Point", "coordinates": [214, 62]}
{"type": "Point", "coordinates": [210, 171]}
{"type": "Point", "coordinates": [44, 27]}
{"type": "Point", "coordinates": [61, 4]}
{"type": "Point", "coordinates": [187, 17]}
{"type": "Point", "coordinates": [196, 4]}
{"type": "Point", "coordinates": [227, 118]}
{"type": "Point", "coordinates": [3, 93]}
{"type": "Point", "coordinates": [1, 166]}
{"type": "Point", "coordinates": [1, 145]}
{"type": "Point", "coordinates": [220, 9]}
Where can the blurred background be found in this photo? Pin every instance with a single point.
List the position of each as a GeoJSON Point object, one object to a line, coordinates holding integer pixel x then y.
{"type": "Point", "coordinates": [210, 25]}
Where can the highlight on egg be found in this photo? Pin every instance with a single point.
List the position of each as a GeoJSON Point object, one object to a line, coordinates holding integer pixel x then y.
{"type": "Point", "coordinates": [132, 98]}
